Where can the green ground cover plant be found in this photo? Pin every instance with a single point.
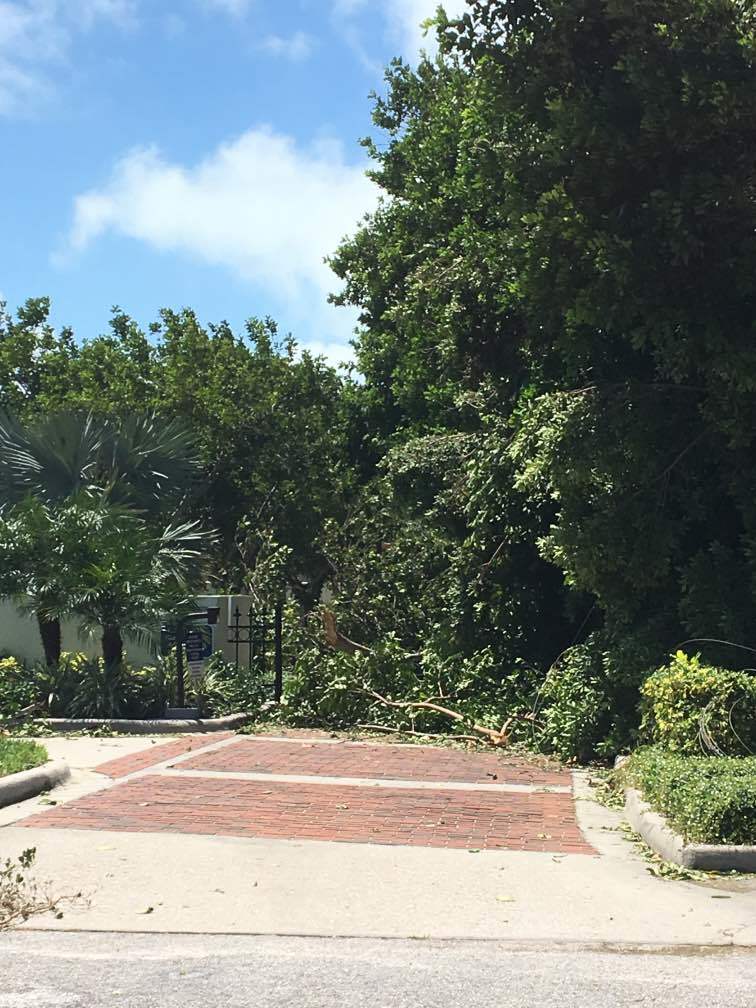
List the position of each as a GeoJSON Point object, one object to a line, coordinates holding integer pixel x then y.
{"type": "Point", "coordinates": [18, 754]}
{"type": "Point", "coordinates": [707, 799]}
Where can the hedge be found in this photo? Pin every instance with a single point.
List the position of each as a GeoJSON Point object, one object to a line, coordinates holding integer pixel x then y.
{"type": "Point", "coordinates": [707, 799]}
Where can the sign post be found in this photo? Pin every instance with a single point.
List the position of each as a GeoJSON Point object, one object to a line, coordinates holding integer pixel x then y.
{"type": "Point", "coordinates": [193, 632]}
{"type": "Point", "coordinates": [198, 641]}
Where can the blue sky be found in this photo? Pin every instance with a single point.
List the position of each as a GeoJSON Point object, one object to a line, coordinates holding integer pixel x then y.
{"type": "Point", "coordinates": [197, 153]}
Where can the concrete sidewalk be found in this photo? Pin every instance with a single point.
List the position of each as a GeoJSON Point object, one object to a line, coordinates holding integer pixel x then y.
{"type": "Point", "coordinates": [146, 882]}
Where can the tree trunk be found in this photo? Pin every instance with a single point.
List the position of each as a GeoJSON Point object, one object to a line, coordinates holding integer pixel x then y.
{"type": "Point", "coordinates": [49, 631]}
{"type": "Point", "coordinates": [112, 646]}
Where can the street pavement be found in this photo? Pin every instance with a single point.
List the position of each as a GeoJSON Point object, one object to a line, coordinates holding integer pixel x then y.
{"type": "Point", "coordinates": [44, 970]}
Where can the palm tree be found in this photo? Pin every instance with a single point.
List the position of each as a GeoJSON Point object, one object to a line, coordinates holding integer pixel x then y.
{"type": "Point", "coordinates": [130, 576]}
{"type": "Point", "coordinates": [139, 462]}
{"type": "Point", "coordinates": [103, 563]}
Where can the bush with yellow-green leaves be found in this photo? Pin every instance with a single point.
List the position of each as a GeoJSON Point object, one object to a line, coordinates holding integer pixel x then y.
{"type": "Point", "coordinates": [692, 708]}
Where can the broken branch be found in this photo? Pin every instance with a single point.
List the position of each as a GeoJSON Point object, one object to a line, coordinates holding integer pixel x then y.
{"type": "Point", "coordinates": [336, 639]}
{"type": "Point", "coordinates": [496, 738]}
{"type": "Point", "coordinates": [418, 734]}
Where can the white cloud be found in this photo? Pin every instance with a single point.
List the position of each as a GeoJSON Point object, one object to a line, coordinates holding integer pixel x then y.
{"type": "Point", "coordinates": [335, 352]}
{"type": "Point", "coordinates": [262, 206]}
{"type": "Point", "coordinates": [296, 47]}
{"type": "Point", "coordinates": [37, 33]}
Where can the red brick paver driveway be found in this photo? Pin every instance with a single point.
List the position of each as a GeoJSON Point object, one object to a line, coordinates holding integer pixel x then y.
{"type": "Point", "coordinates": [372, 762]}
{"type": "Point", "coordinates": [319, 790]}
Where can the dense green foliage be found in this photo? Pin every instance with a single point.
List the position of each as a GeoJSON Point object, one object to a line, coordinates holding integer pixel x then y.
{"type": "Point", "coordinates": [544, 482]}
{"type": "Point", "coordinates": [17, 755]}
{"type": "Point", "coordinates": [17, 689]}
{"type": "Point", "coordinates": [82, 687]}
{"type": "Point", "coordinates": [707, 799]}
{"type": "Point", "coordinates": [267, 422]}
{"type": "Point", "coordinates": [559, 285]}
{"type": "Point", "coordinates": [693, 708]}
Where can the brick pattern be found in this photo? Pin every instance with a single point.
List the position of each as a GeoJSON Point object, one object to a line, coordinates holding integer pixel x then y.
{"type": "Point", "coordinates": [375, 762]}
{"type": "Point", "coordinates": [154, 754]}
{"type": "Point", "coordinates": [351, 813]}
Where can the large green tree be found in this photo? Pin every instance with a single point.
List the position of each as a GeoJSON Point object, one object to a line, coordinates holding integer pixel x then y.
{"type": "Point", "coordinates": [268, 420]}
{"type": "Point", "coordinates": [136, 462]}
{"type": "Point", "coordinates": [561, 274]}
{"type": "Point", "coordinates": [620, 144]}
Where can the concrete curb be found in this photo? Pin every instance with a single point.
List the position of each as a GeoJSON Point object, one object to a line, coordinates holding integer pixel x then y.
{"type": "Point", "coordinates": [135, 727]}
{"type": "Point", "coordinates": [29, 783]}
{"type": "Point", "coordinates": [669, 845]}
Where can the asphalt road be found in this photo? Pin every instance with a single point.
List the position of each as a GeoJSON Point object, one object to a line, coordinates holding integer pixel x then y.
{"type": "Point", "coordinates": [62, 970]}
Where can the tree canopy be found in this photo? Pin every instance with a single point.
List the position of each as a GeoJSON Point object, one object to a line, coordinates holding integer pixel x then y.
{"type": "Point", "coordinates": [560, 279]}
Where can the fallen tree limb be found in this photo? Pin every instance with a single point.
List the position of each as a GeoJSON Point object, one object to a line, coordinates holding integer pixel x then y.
{"type": "Point", "coordinates": [21, 716]}
{"type": "Point", "coordinates": [497, 738]}
{"type": "Point", "coordinates": [418, 734]}
{"type": "Point", "coordinates": [336, 639]}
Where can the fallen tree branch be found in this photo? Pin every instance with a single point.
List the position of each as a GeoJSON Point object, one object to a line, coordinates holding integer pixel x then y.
{"type": "Point", "coordinates": [21, 716]}
{"type": "Point", "coordinates": [418, 734]}
{"type": "Point", "coordinates": [336, 639]}
{"type": "Point", "coordinates": [497, 738]}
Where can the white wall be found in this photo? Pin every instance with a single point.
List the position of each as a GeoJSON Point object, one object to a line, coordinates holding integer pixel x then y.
{"type": "Point", "coordinates": [222, 631]}
{"type": "Point", "coordinates": [19, 635]}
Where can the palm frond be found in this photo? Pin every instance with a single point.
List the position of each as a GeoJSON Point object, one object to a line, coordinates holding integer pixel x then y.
{"type": "Point", "coordinates": [51, 459]}
{"type": "Point", "coordinates": [149, 459]}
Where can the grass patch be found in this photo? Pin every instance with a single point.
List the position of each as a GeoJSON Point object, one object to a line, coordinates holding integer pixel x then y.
{"type": "Point", "coordinates": [707, 799]}
{"type": "Point", "coordinates": [18, 754]}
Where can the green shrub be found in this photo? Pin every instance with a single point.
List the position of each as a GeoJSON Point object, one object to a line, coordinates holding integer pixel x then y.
{"type": "Point", "coordinates": [18, 754]}
{"type": "Point", "coordinates": [329, 688]}
{"type": "Point", "coordinates": [573, 711]}
{"type": "Point", "coordinates": [588, 705]}
{"type": "Point", "coordinates": [82, 687]}
{"type": "Point", "coordinates": [226, 689]}
{"type": "Point", "coordinates": [707, 799]}
{"type": "Point", "coordinates": [691, 708]}
{"type": "Point", "coordinates": [17, 687]}
{"type": "Point", "coordinates": [99, 690]}
{"type": "Point", "coordinates": [222, 689]}
{"type": "Point", "coordinates": [156, 687]}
